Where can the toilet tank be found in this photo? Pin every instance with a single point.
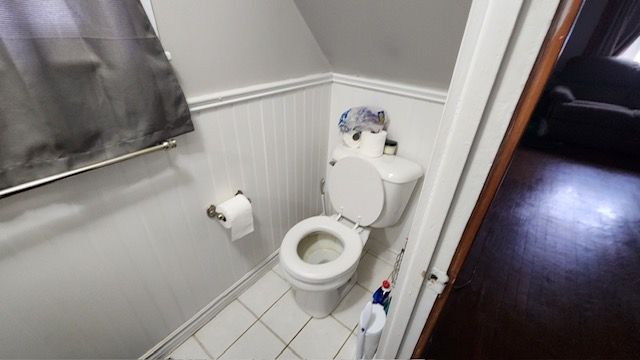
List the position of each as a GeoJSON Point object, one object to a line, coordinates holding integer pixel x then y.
{"type": "Point", "coordinates": [399, 177]}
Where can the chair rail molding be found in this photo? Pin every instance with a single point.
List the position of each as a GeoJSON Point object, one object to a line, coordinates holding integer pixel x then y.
{"type": "Point", "coordinates": [434, 95]}
{"type": "Point", "coordinates": [228, 97]}
{"type": "Point", "coordinates": [233, 96]}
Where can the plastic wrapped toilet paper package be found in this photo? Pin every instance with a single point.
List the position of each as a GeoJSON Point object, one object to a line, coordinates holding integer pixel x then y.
{"type": "Point", "coordinates": [238, 216]}
{"type": "Point", "coordinates": [362, 118]}
{"type": "Point", "coordinates": [357, 120]}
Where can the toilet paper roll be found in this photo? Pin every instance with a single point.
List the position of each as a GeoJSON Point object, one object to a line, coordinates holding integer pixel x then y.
{"type": "Point", "coordinates": [238, 216]}
{"type": "Point", "coordinates": [372, 144]}
{"type": "Point", "coordinates": [352, 139]}
{"type": "Point", "coordinates": [369, 339]}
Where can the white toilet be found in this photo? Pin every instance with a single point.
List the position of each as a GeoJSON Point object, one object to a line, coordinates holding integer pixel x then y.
{"type": "Point", "coordinates": [319, 255]}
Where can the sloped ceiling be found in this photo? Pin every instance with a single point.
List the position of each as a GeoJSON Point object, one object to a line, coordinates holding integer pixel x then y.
{"type": "Point", "coordinates": [409, 41]}
{"type": "Point", "coordinates": [226, 44]}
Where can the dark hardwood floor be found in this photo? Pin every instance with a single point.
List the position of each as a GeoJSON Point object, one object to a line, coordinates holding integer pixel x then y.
{"type": "Point", "coordinates": [555, 269]}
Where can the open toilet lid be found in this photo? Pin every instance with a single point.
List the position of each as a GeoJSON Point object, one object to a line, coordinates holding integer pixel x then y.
{"type": "Point", "coordinates": [356, 190]}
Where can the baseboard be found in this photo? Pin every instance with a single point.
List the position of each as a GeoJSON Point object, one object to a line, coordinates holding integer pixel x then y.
{"type": "Point", "coordinates": [381, 250]}
{"type": "Point", "coordinates": [202, 317]}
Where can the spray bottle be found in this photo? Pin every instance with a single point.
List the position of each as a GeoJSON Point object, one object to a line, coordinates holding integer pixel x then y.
{"type": "Point", "coordinates": [381, 296]}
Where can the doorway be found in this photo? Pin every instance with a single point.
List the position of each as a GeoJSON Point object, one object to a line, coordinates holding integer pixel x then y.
{"type": "Point", "coordinates": [552, 270]}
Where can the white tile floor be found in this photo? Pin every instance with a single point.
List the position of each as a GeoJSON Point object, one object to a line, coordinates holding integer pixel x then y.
{"type": "Point", "coordinates": [266, 323]}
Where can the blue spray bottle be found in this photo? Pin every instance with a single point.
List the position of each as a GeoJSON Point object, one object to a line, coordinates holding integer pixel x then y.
{"type": "Point", "coordinates": [381, 296]}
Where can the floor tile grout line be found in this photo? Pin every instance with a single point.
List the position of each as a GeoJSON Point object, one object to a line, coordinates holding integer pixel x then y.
{"type": "Point", "coordinates": [294, 352]}
{"type": "Point", "coordinates": [274, 303]}
{"type": "Point", "coordinates": [253, 323]}
{"type": "Point", "coordinates": [364, 288]}
{"type": "Point", "coordinates": [296, 335]}
{"type": "Point", "coordinates": [341, 346]}
{"type": "Point", "coordinates": [340, 322]}
{"type": "Point", "coordinates": [202, 347]}
{"type": "Point", "coordinates": [281, 351]}
{"type": "Point", "coordinates": [273, 332]}
{"type": "Point", "coordinates": [238, 338]}
{"type": "Point", "coordinates": [377, 256]}
{"type": "Point", "coordinates": [280, 276]}
{"type": "Point", "coordinates": [267, 309]}
{"type": "Point", "coordinates": [299, 331]}
{"type": "Point", "coordinates": [258, 318]}
{"type": "Point", "coordinates": [350, 331]}
{"type": "Point", "coordinates": [247, 308]}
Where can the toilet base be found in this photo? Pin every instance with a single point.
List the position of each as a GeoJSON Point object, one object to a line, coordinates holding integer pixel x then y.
{"type": "Point", "coordinates": [320, 304]}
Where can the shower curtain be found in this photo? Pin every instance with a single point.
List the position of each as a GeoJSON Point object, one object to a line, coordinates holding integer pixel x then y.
{"type": "Point", "coordinates": [81, 81]}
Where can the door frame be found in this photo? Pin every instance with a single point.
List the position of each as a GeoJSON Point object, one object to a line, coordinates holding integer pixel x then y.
{"type": "Point", "coordinates": [500, 45]}
{"type": "Point", "coordinates": [543, 68]}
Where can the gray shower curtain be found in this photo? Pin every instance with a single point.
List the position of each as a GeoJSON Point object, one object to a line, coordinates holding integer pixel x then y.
{"type": "Point", "coordinates": [81, 81]}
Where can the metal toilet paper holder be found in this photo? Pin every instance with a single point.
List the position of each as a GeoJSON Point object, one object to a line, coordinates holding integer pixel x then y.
{"type": "Point", "coordinates": [212, 213]}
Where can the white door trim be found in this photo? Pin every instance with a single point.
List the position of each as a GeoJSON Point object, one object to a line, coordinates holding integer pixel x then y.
{"type": "Point", "coordinates": [487, 35]}
{"type": "Point", "coordinates": [529, 34]}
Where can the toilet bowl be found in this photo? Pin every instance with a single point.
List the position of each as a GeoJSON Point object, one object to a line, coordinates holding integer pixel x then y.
{"type": "Point", "coordinates": [319, 255]}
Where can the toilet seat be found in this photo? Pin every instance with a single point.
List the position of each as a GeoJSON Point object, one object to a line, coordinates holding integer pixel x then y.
{"type": "Point", "coordinates": [309, 273]}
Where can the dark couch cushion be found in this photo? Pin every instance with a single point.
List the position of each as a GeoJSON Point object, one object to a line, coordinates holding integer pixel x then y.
{"type": "Point", "coordinates": [604, 126]}
{"type": "Point", "coordinates": [562, 94]}
{"type": "Point", "coordinates": [601, 79]}
{"type": "Point", "coordinates": [602, 114]}
{"type": "Point", "coordinates": [606, 71]}
{"type": "Point", "coordinates": [633, 98]}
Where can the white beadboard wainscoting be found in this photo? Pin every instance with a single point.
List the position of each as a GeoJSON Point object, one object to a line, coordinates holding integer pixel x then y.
{"type": "Point", "coordinates": [414, 115]}
{"type": "Point", "coordinates": [108, 263]}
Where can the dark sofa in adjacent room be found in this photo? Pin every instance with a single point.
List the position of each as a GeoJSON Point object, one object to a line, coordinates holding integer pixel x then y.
{"type": "Point", "coordinates": [596, 102]}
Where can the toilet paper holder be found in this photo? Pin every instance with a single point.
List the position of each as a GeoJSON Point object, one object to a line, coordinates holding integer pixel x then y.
{"type": "Point", "coordinates": [212, 213]}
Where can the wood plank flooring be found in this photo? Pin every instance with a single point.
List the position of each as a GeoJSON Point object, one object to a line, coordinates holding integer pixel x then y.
{"type": "Point", "coordinates": [555, 269]}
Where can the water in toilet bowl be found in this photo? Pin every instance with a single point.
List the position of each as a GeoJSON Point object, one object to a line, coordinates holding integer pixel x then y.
{"type": "Point", "coordinates": [319, 248]}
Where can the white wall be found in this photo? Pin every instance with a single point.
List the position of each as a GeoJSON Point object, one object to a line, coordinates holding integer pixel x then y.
{"type": "Point", "coordinates": [405, 41]}
{"type": "Point", "coordinates": [413, 122]}
{"type": "Point", "coordinates": [220, 44]}
{"type": "Point", "coordinates": [106, 264]}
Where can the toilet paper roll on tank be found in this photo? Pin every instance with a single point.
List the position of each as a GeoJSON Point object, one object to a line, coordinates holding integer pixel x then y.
{"type": "Point", "coordinates": [372, 144]}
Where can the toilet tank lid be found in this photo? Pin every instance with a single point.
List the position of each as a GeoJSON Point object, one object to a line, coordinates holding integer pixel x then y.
{"type": "Point", "coordinates": [392, 168]}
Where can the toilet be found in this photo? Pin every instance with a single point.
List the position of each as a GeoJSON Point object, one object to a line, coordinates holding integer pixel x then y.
{"type": "Point", "coordinates": [319, 255]}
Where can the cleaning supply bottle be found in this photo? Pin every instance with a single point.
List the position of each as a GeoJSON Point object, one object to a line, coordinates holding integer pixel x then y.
{"type": "Point", "coordinates": [382, 294]}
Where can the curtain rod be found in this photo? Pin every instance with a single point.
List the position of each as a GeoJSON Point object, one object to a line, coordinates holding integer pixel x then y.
{"type": "Point", "coordinates": [165, 145]}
